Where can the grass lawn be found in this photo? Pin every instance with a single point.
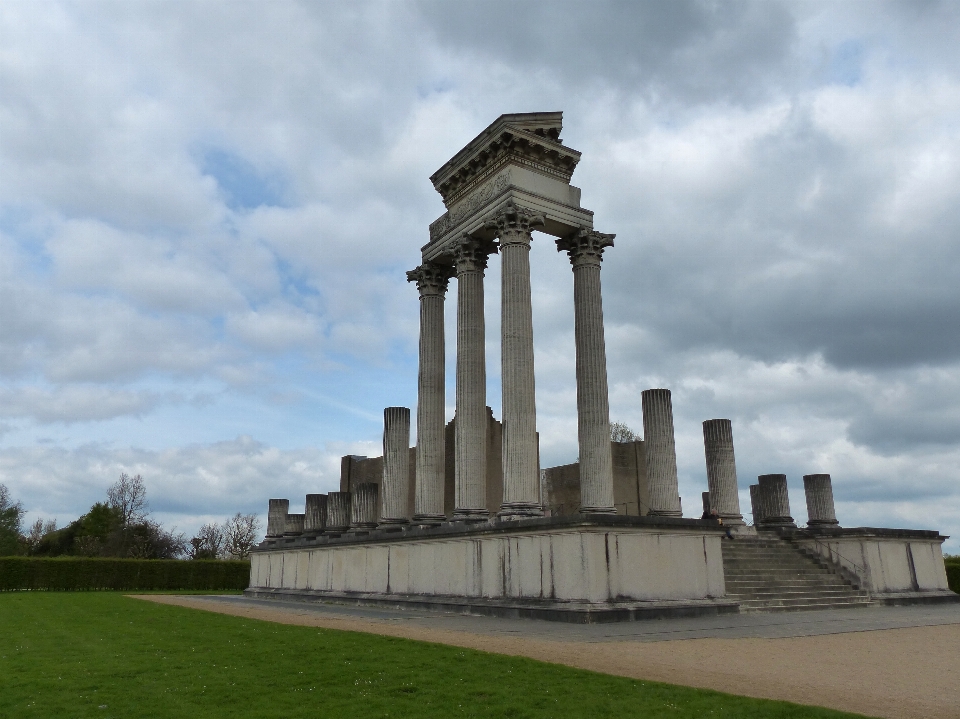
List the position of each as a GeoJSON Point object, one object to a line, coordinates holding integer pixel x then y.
{"type": "Point", "coordinates": [100, 654]}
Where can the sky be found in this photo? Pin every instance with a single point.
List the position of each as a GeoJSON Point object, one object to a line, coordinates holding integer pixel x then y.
{"type": "Point", "coordinates": [207, 210]}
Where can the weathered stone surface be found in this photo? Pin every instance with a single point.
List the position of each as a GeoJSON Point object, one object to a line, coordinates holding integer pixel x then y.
{"type": "Point", "coordinates": [493, 480]}
{"type": "Point", "coordinates": [756, 503]}
{"type": "Point", "coordinates": [277, 517]}
{"type": "Point", "coordinates": [722, 470]}
{"type": "Point", "coordinates": [470, 256]}
{"type": "Point", "coordinates": [293, 526]}
{"type": "Point", "coordinates": [595, 564]}
{"type": "Point", "coordinates": [396, 465]}
{"type": "Point", "coordinates": [338, 512]}
{"type": "Point", "coordinates": [521, 495]}
{"type": "Point", "coordinates": [315, 513]}
{"type": "Point", "coordinates": [432, 280]}
{"type": "Point", "coordinates": [776, 500]}
{"type": "Point", "coordinates": [661, 453]}
{"type": "Point", "coordinates": [818, 490]}
{"type": "Point", "coordinates": [585, 250]}
{"type": "Point", "coordinates": [560, 486]}
{"type": "Point", "coordinates": [364, 507]}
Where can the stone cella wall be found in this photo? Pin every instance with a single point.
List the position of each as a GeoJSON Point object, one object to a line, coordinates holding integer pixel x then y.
{"type": "Point", "coordinates": [571, 564]}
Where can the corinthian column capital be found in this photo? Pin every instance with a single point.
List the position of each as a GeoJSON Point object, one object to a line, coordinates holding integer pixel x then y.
{"type": "Point", "coordinates": [514, 224]}
{"type": "Point", "coordinates": [470, 254]}
{"type": "Point", "coordinates": [431, 278]}
{"type": "Point", "coordinates": [585, 247]}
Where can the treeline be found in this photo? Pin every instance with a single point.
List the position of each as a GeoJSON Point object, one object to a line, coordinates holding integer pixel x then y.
{"type": "Point", "coordinates": [121, 527]}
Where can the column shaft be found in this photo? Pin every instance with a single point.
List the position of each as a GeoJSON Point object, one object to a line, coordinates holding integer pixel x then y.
{"type": "Point", "coordinates": [396, 465]}
{"type": "Point", "coordinates": [364, 506]}
{"type": "Point", "coordinates": [293, 526]}
{"type": "Point", "coordinates": [521, 470]}
{"type": "Point", "coordinates": [338, 512]}
{"type": "Point", "coordinates": [585, 249]}
{"type": "Point", "coordinates": [277, 517]}
{"type": "Point", "coordinates": [432, 281]}
{"type": "Point", "coordinates": [819, 493]}
{"type": "Point", "coordinates": [471, 418]}
{"type": "Point", "coordinates": [661, 453]}
{"type": "Point", "coordinates": [756, 504]}
{"type": "Point", "coordinates": [775, 500]}
{"type": "Point", "coordinates": [722, 470]}
{"type": "Point", "coordinates": [315, 513]}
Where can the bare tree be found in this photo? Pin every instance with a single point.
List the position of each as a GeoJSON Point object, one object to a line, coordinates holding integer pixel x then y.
{"type": "Point", "coordinates": [129, 497]}
{"type": "Point", "coordinates": [242, 532]}
{"type": "Point", "coordinates": [619, 432]}
{"type": "Point", "coordinates": [38, 530]}
{"type": "Point", "coordinates": [210, 542]}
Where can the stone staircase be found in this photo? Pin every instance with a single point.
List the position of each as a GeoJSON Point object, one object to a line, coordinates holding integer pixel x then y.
{"type": "Point", "coordinates": [769, 574]}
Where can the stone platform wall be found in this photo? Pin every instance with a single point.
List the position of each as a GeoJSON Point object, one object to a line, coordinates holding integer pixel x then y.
{"type": "Point", "coordinates": [578, 561]}
{"type": "Point", "coordinates": [885, 561]}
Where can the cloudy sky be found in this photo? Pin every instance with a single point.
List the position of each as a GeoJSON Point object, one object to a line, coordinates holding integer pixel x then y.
{"type": "Point", "coordinates": [207, 209]}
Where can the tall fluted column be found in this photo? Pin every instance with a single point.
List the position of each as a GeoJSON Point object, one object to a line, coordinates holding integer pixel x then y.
{"type": "Point", "coordinates": [396, 465]}
{"type": "Point", "coordinates": [722, 470]}
{"type": "Point", "coordinates": [364, 503]}
{"type": "Point", "coordinates": [277, 517]}
{"type": "Point", "coordinates": [338, 512]}
{"type": "Point", "coordinates": [431, 280]}
{"type": "Point", "coordinates": [470, 500]}
{"type": "Point", "coordinates": [521, 475]}
{"type": "Point", "coordinates": [661, 453]}
{"type": "Point", "coordinates": [819, 492]}
{"type": "Point", "coordinates": [585, 249]}
{"type": "Point", "coordinates": [775, 500]}
{"type": "Point", "coordinates": [315, 512]}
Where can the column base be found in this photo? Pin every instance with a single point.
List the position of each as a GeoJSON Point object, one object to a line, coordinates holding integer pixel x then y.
{"type": "Point", "coordinates": [598, 510]}
{"type": "Point", "coordinates": [393, 522]}
{"type": "Point", "coordinates": [665, 513]}
{"type": "Point", "coordinates": [823, 523]}
{"type": "Point", "coordinates": [519, 510]}
{"type": "Point", "coordinates": [363, 526]}
{"type": "Point", "coordinates": [732, 519]}
{"type": "Point", "coordinates": [428, 520]}
{"type": "Point", "coordinates": [470, 515]}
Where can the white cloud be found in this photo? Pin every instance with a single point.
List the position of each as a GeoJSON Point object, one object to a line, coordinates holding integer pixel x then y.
{"type": "Point", "coordinates": [222, 196]}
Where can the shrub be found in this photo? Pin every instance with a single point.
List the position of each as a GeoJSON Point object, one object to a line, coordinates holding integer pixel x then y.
{"type": "Point", "coordinates": [953, 572]}
{"type": "Point", "coordinates": [75, 573]}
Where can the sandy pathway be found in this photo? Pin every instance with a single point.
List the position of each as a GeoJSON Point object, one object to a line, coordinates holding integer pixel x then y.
{"type": "Point", "coordinates": [909, 673]}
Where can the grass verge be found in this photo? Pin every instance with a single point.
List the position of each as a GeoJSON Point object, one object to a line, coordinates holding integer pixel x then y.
{"type": "Point", "coordinates": [105, 655]}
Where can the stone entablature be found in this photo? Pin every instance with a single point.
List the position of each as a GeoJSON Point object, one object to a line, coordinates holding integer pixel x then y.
{"type": "Point", "coordinates": [530, 139]}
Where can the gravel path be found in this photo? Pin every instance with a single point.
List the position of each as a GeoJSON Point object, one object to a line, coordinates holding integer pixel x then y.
{"type": "Point", "coordinates": [901, 673]}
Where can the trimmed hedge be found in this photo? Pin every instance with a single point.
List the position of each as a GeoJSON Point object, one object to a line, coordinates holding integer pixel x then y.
{"type": "Point", "coordinates": [79, 573]}
{"type": "Point", "coordinates": [953, 573]}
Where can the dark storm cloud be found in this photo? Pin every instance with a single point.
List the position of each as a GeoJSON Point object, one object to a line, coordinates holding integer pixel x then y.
{"type": "Point", "coordinates": [685, 50]}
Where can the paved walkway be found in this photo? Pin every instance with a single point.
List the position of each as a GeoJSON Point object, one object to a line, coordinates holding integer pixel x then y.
{"type": "Point", "coordinates": [897, 662]}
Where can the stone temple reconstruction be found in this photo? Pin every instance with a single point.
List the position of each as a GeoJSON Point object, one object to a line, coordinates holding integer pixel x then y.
{"type": "Point", "coordinates": [467, 520]}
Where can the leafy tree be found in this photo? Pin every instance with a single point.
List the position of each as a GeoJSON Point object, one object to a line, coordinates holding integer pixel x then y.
{"type": "Point", "coordinates": [619, 432]}
{"type": "Point", "coordinates": [11, 523]}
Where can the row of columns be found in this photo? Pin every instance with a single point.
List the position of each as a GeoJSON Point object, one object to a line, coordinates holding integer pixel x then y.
{"type": "Point", "coordinates": [771, 501]}
{"type": "Point", "coordinates": [513, 227]}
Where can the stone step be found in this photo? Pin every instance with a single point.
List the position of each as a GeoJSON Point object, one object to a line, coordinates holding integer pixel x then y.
{"type": "Point", "coordinates": [786, 586]}
{"type": "Point", "coordinates": [771, 574]}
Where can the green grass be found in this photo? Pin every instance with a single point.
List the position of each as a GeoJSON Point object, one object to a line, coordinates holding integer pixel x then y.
{"type": "Point", "coordinates": [101, 654]}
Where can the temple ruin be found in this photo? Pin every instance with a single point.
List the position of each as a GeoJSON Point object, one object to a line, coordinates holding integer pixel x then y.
{"type": "Point", "coordinates": [467, 520]}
